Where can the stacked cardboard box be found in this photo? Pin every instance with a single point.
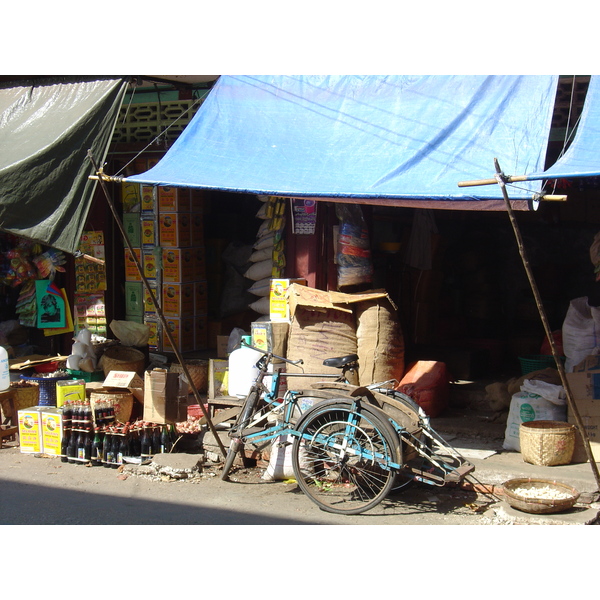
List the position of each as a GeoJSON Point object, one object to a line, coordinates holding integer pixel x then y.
{"type": "Point", "coordinates": [168, 226]}
{"type": "Point", "coordinates": [584, 383]}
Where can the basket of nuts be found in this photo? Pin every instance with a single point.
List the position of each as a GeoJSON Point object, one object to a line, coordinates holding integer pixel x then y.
{"type": "Point", "coordinates": [539, 496]}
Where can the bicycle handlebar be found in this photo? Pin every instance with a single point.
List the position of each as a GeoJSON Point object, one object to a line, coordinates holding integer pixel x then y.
{"type": "Point", "coordinates": [267, 353]}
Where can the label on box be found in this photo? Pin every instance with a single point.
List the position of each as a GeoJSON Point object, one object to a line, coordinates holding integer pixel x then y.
{"type": "Point", "coordinates": [178, 299]}
{"type": "Point", "coordinates": [175, 230]}
{"type": "Point", "coordinates": [30, 434]}
{"type": "Point", "coordinates": [178, 265]}
{"type": "Point", "coordinates": [148, 232]}
{"type": "Point", "coordinates": [131, 271]}
{"type": "Point", "coordinates": [148, 198]}
{"type": "Point", "coordinates": [72, 390]}
{"type": "Point", "coordinates": [51, 431]}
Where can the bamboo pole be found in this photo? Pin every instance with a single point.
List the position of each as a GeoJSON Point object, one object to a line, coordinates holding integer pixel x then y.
{"type": "Point", "coordinates": [501, 180]}
{"type": "Point", "coordinates": [102, 180]}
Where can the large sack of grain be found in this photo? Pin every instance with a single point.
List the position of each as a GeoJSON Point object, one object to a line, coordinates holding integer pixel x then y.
{"type": "Point", "coordinates": [380, 342]}
{"type": "Point", "coordinates": [316, 335]}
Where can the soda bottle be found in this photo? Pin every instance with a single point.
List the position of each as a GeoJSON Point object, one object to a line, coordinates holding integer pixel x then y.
{"type": "Point", "coordinates": [64, 445]}
{"type": "Point", "coordinates": [87, 445]}
{"type": "Point", "coordinates": [72, 447]}
{"type": "Point", "coordinates": [165, 440]}
{"type": "Point", "coordinates": [156, 439]}
{"type": "Point", "coordinates": [96, 456]}
{"type": "Point", "coordinates": [146, 444]}
{"type": "Point", "coordinates": [123, 445]}
{"type": "Point", "coordinates": [81, 446]}
{"type": "Point", "coordinates": [107, 448]}
{"type": "Point", "coordinates": [116, 441]}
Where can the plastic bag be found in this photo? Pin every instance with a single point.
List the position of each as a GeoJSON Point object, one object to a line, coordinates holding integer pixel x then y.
{"type": "Point", "coordinates": [280, 463]}
{"type": "Point", "coordinates": [130, 333]}
{"type": "Point", "coordinates": [353, 253]}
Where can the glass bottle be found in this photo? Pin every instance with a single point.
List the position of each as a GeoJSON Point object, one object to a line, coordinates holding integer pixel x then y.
{"type": "Point", "coordinates": [123, 449]}
{"type": "Point", "coordinates": [116, 441]}
{"type": "Point", "coordinates": [156, 439]}
{"type": "Point", "coordinates": [165, 440]}
{"type": "Point", "coordinates": [146, 444]}
{"type": "Point", "coordinates": [107, 448]}
{"type": "Point", "coordinates": [64, 457]}
{"type": "Point", "coordinates": [96, 456]}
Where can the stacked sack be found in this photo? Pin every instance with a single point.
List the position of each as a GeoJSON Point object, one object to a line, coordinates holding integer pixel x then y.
{"type": "Point", "coordinates": [267, 258]}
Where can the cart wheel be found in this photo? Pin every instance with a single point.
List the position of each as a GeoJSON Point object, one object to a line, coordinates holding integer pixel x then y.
{"type": "Point", "coordinates": [342, 455]}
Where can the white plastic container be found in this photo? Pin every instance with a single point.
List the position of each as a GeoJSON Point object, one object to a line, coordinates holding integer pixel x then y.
{"type": "Point", "coordinates": [4, 370]}
{"type": "Point", "coordinates": [242, 370]}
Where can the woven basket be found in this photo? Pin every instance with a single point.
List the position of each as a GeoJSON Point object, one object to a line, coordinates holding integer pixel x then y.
{"type": "Point", "coordinates": [123, 358]}
{"type": "Point", "coordinates": [26, 396]}
{"type": "Point", "coordinates": [539, 505]}
{"type": "Point", "coordinates": [547, 443]}
{"type": "Point", "coordinates": [198, 370]}
{"type": "Point", "coordinates": [536, 362]}
{"type": "Point", "coordinates": [122, 401]}
{"type": "Point", "coordinates": [46, 387]}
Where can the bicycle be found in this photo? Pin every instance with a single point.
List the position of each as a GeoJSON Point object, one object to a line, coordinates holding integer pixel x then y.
{"type": "Point", "coordinates": [351, 443]}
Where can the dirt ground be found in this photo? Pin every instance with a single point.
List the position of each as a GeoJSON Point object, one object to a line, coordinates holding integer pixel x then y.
{"type": "Point", "coordinates": [46, 491]}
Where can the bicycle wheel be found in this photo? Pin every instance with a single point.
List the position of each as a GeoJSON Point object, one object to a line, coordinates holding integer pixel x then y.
{"type": "Point", "coordinates": [342, 456]}
{"type": "Point", "coordinates": [236, 443]}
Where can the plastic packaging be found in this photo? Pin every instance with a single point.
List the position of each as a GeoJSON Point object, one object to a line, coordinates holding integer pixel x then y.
{"type": "Point", "coordinates": [4, 370]}
{"type": "Point", "coordinates": [242, 369]}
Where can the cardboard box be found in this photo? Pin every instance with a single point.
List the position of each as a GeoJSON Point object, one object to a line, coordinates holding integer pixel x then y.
{"type": "Point", "coordinates": [161, 400]}
{"type": "Point", "coordinates": [148, 232]}
{"type": "Point", "coordinates": [222, 342]}
{"type": "Point", "coordinates": [131, 271]}
{"type": "Point", "coordinates": [134, 298]}
{"type": "Point", "coordinates": [197, 229]}
{"type": "Point", "coordinates": [148, 202]}
{"type": "Point", "coordinates": [178, 299]}
{"type": "Point", "coordinates": [131, 197]}
{"type": "Point", "coordinates": [584, 384]}
{"type": "Point", "coordinates": [182, 332]}
{"type": "Point", "coordinates": [30, 430]}
{"type": "Point", "coordinates": [200, 332]}
{"type": "Point", "coordinates": [172, 199]}
{"type": "Point", "coordinates": [270, 336]}
{"type": "Point", "coordinates": [150, 264]}
{"type": "Point", "coordinates": [149, 307]}
{"type": "Point", "coordinates": [154, 341]}
{"type": "Point", "coordinates": [179, 265]}
{"type": "Point", "coordinates": [200, 297]}
{"type": "Point", "coordinates": [218, 371]}
{"type": "Point", "coordinates": [133, 228]}
{"type": "Point", "coordinates": [279, 308]}
{"type": "Point", "coordinates": [199, 262]}
{"type": "Point", "coordinates": [128, 380]}
{"type": "Point", "coordinates": [51, 428]}
{"type": "Point", "coordinates": [175, 230]}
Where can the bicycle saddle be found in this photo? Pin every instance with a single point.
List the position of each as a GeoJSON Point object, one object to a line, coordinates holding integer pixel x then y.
{"type": "Point", "coordinates": [340, 361]}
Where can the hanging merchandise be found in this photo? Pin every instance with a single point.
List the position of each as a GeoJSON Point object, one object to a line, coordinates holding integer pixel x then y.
{"type": "Point", "coordinates": [355, 267]}
{"type": "Point", "coordinates": [304, 216]}
{"type": "Point", "coordinates": [49, 263]}
{"type": "Point", "coordinates": [268, 256]}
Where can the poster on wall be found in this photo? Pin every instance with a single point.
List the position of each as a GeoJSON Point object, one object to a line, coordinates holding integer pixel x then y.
{"type": "Point", "coordinates": [304, 216]}
{"type": "Point", "coordinates": [51, 310]}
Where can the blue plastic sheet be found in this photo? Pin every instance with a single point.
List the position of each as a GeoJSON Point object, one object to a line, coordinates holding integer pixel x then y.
{"type": "Point", "coordinates": [582, 157]}
{"type": "Point", "coordinates": [396, 140]}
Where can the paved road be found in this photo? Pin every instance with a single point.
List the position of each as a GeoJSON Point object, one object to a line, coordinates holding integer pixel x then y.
{"type": "Point", "coordinates": [38, 490]}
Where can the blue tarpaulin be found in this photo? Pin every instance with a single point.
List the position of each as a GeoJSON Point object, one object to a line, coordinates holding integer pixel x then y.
{"type": "Point", "coordinates": [582, 157]}
{"type": "Point", "coordinates": [397, 140]}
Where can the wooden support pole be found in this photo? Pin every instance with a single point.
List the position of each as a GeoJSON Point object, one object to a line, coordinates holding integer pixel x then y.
{"type": "Point", "coordinates": [500, 179]}
{"type": "Point", "coordinates": [102, 181]}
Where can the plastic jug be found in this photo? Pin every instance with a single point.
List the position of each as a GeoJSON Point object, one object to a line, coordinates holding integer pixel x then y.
{"type": "Point", "coordinates": [242, 369]}
{"type": "Point", "coordinates": [4, 370]}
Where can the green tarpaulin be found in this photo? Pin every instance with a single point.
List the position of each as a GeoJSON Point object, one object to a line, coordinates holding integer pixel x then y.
{"type": "Point", "coordinates": [47, 127]}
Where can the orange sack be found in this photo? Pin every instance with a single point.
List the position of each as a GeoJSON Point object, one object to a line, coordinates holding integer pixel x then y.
{"type": "Point", "coordinates": [428, 384]}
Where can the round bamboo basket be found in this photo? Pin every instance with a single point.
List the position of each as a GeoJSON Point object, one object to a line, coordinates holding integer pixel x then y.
{"type": "Point", "coordinates": [547, 443]}
{"type": "Point", "coordinates": [198, 370]}
{"type": "Point", "coordinates": [539, 505]}
{"type": "Point", "coordinates": [122, 401]}
{"type": "Point", "coordinates": [26, 396]}
{"type": "Point", "coordinates": [123, 358]}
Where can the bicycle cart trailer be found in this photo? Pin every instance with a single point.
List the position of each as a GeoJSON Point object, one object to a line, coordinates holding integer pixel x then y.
{"type": "Point", "coordinates": [353, 445]}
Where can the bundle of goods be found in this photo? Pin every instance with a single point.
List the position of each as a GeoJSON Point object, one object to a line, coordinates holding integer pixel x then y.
{"type": "Point", "coordinates": [267, 258]}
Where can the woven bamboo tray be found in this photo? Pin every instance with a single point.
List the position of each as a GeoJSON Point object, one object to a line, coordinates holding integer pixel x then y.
{"type": "Point", "coordinates": [547, 443]}
{"type": "Point", "coordinates": [539, 505]}
{"type": "Point", "coordinates": [122, 358]}
{"type": "Point", "coordinates": [198, 370]}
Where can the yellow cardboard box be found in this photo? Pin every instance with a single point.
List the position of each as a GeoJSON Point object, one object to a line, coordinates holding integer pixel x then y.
{"type": "Point", "coordinates": [30, 430]}
{"type": "Point", "coordinates": [51, 428]}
